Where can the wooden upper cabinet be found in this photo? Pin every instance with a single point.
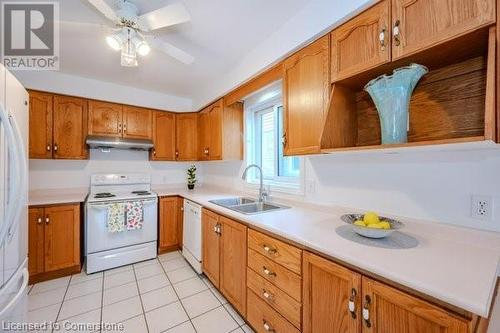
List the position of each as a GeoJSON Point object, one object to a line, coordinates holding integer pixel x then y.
{"type": "Point", "coordinates": [210, 246]}
{"type": "Point", "coordinates": [186, 136]}
{"type": "Point", "coordinates": [204, 135]}
{"type": "Point", "coordinates": [40, 125]}
{"type": "Point", "coordinates": [233, 262]}
{"type": "Point", "coordinates": [215, 136]}
{"type": "Point", "coordinates": [62, 237]}
{"type": "Point", "coordinates": [70, 127]}
{"type": "Point", "coordinates": [105, 118]}
{"type": "Point", "coordinates": [392, 311]}
{"type": "Point", "coordinates": [163, 136]}
{"type": "Point", "coordinates": [306, 93]}
{"type": "Point", "coordinates": [36, 227]}
{"type": "Point", "coordinates": [362, 43]}
{"type": "Point", "coordinates": [169, 224]}
{"type": "Point", "coordinates": [425, 23]}
{"type": "Point", "coordinates": [328, 288]}
{"type": "Point", "coordinates": [137, 123]}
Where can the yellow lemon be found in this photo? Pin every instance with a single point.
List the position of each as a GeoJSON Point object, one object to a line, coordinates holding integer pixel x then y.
{"type": "Point", "coordinates": [385, 225]}
{"type": "Point", "coordinates": [376, 226]}
{"type": "Point", "coordinates": [360, 223]}
{"type": "Point", "coordinates": [371, 218]}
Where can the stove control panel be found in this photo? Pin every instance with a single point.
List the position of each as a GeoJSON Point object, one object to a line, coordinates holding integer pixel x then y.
{"type": "Point", "coordinates": [120, 179]}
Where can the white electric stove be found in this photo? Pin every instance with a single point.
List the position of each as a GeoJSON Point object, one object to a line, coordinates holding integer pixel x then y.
{"type": "Point", "coordinates": [104, 249]}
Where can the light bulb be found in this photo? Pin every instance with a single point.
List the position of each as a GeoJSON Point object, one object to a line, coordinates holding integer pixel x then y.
{"type": "Point", "coordinates": [115, 42]}
{"type": "Point", "coordinates": [143, 48]}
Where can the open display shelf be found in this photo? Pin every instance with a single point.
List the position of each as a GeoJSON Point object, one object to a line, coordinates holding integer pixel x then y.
{"type": "Point", "coordinates": [453, 103]}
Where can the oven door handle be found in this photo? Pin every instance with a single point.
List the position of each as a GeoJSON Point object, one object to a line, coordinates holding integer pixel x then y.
{"type": "Point", "coordinates": [106, 205]}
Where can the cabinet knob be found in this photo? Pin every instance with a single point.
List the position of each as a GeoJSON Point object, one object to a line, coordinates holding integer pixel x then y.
{"type": "Point", "coordinates": [124, 128]}
{"type": "Point", "coordinates": [47, 220]}
{"type": "Point", "coordinates": [56, 148]}
{"type": "Point", "coordinates": [268, 327]}
{"type": "Point", "coordinates": [283, 139]}
{"type": "Point", "coordinates": [206, 151]}
{"type": "Point", "coordinates": [396, 33]}
{"type": "Point", "coordinates": [268, 272]}
{"type": "Point", "coordinates": [352, 303]}
{"type": "Point", "coordinates": [269, 249]}
{"type": "Point", "coordinates": [176, 153]}
{"type": "Point", "coordinates": [39, 220]}
{"type": "Point", "coordinates": [119, 128]}
{"type": "Point", "coordinates": [154, 152]}
{"type": "Point", "coordinates": [366, 311]}
{"type": "Point", "coordinates": [381, 38]}
{"type": "Point", "coordinates": [267, 295]}
{"type": "Point", "coordinates": [49, 147]}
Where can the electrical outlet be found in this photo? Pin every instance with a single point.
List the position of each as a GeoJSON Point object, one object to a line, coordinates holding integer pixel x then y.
{"type": "Point", "coordinates": [482, 207]}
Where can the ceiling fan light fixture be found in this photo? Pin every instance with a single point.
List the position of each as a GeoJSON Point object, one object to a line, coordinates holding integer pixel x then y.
{"type": "Point", "coordinates": [143, 48]}
{"type": "Point", "coordinates": [114, 41]}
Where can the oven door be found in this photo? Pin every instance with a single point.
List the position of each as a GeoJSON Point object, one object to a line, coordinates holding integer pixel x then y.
{"type": "Point", "coordinates": [97, 237]}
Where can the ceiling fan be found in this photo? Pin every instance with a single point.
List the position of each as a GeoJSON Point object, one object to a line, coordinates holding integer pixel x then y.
{"type": "Point", "coordinates": [132, 32]}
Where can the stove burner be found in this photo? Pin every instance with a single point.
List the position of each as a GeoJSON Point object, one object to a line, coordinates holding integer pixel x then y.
{"type": "Point", "coordinates": [104, 195]}
{"type": "Point", "coordinates": [141, 192]}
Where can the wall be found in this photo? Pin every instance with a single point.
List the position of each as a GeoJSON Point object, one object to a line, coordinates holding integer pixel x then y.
{"type": "Point", "coordinates": [430, 185]}
{"type": "Point", "coordinates": [61, 83]}
{"type": "Point", "coordinates": [50, 174]}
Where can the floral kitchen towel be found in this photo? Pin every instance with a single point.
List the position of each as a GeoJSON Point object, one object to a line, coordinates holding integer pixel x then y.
{"type": "Point", "coordinates": [116, 217]}
{"type": "Point", "coordinates": [134, 215]}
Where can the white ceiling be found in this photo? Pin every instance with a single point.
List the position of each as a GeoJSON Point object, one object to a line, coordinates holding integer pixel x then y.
{"type": "Point", "coordinates": [221, 33]}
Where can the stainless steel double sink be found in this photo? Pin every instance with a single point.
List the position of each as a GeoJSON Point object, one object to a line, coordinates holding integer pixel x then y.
{"type": "Point", "coordinates": [246, 205]}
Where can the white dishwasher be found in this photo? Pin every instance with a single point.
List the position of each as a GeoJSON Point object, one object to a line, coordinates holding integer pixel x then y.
{"type": "Point", "coordinates": [191, 239]}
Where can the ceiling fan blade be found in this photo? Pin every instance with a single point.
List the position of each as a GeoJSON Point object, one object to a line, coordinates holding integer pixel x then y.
{"type": "Point", "coordinates": [169, 15]}
{"type": "Point", "coordinates": [105, 9]}
{"type": "Point", "coordinates": [172, 51]}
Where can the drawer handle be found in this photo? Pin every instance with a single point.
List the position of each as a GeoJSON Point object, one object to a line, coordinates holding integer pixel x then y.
{"type": "Point", "coordinates": [267, 295]}
{"type": "Point", "coordinates": [268, 272]}
{"type": "Point", "coordinates": [352, 303]}
{"type": "Point", "coordinates": [396, 33]}
{"type": "Point", "coordinates": [366, 311]}
{"type": "Point", "coordinates": [269, 249]}
{"type": "Point", "coordinates": [267, 327]}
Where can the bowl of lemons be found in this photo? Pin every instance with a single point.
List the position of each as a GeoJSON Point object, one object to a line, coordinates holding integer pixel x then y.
{"type": "Point", "coordinates": [371, 225]}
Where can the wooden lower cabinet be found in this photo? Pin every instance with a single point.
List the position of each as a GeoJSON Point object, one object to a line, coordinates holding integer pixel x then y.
{"type": "Point", "coordinates": [393, 311]}
{"type": "Point", "coordinates": [54, 241]}
{"type": "Point", "coordinates": [224, 256]}
{"type": "Point", "coordinates": [376, 307]}
{"type": "Point", "coordinates": [170, 224]}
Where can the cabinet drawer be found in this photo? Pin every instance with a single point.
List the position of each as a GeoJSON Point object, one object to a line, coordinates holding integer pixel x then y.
{"type": "Point", "coordinates": [278, 251]}
{"type": "Point", "coordinates": [264, 319]}
{"type": "Point", "coordinates": [281, 277]}
{"type": "Point", "coordinates": [274, 297]}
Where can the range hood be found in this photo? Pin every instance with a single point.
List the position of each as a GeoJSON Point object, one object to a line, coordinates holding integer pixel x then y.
{"type": "Point", "coordinates": [104, 142]}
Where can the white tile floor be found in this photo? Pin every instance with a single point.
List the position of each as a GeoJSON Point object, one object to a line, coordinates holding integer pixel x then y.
{"type": "Point", "coordinates": [160, 295]}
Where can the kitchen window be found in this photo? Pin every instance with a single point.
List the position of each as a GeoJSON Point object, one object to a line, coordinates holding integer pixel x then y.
{"type": "Point", "coordinates": [264, 128]}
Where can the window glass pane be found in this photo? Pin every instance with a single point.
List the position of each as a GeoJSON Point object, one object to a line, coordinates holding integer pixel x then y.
{"type": "Point", "coordinates": [288, 166]}
{"type": "Point", "coordinates": [268, 146]}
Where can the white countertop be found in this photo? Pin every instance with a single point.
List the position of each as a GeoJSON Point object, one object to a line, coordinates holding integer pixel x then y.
{"type": "Point", "coordinates": [456, 265]}
{"type": "Point", "coordinates": [57, 196]}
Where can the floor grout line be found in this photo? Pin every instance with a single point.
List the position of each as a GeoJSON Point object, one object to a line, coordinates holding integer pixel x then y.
{"type": "Point", "coordinates": [102, 301]}
{"type": "Point", "coordinates": [140, 298]}
{"type": "Point", "coordinates": [62, 303]}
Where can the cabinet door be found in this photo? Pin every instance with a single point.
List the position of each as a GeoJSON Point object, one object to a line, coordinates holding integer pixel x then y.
{"type": "Point", "coordinates": [137, 123]}
{"type": "Point", "coordinates": [425, 23]}
{"type": "Point", "coordinates": [105, 119]}
{"type": "Point", "coordinates": [163, 136]}
{"type": "Point", "coordinates": [306, 97]}
{"type": "Point", "coordinates": [356, 44]}
{"type": "Point", "coordinates": [169, 224]}
{"type": "Point", "coordinates": [210, 246]}
{"type": "Point", "coordinates": [233, 263]}
{"type": "Point", "coordinates": [36, 226]}
{"type": "Point", "coordinates": [392, 311]}
{"type": "Point", "coordinates": [215, 135]}
{"type": "Point", "coordinates": [70, 127]}
{"type": "Point", "coordinates": [328, 289]}
{"type": "Point", "coordinates": [62, 237]}
{"type": "Point", "coordinates": [40, 125]}
{"type": "Point", "coordinates": [204, 135]}
{"type": "Point", "coordinates": [186, 136]}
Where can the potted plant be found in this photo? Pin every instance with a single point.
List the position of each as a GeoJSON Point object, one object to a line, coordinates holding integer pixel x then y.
{"type": "Point", "coordinates": [191, 179]}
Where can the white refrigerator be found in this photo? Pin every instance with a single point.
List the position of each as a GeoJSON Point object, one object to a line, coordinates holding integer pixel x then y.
{"type": "Point", "coordinates": [13, 199]}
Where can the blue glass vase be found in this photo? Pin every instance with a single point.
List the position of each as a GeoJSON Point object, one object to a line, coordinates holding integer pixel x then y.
{"type": "Point", "coordinates": [391, 94]}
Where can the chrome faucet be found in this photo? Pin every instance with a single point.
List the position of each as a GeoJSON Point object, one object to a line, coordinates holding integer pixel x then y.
{"type": "Point", "coordinates": [262, 193]}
